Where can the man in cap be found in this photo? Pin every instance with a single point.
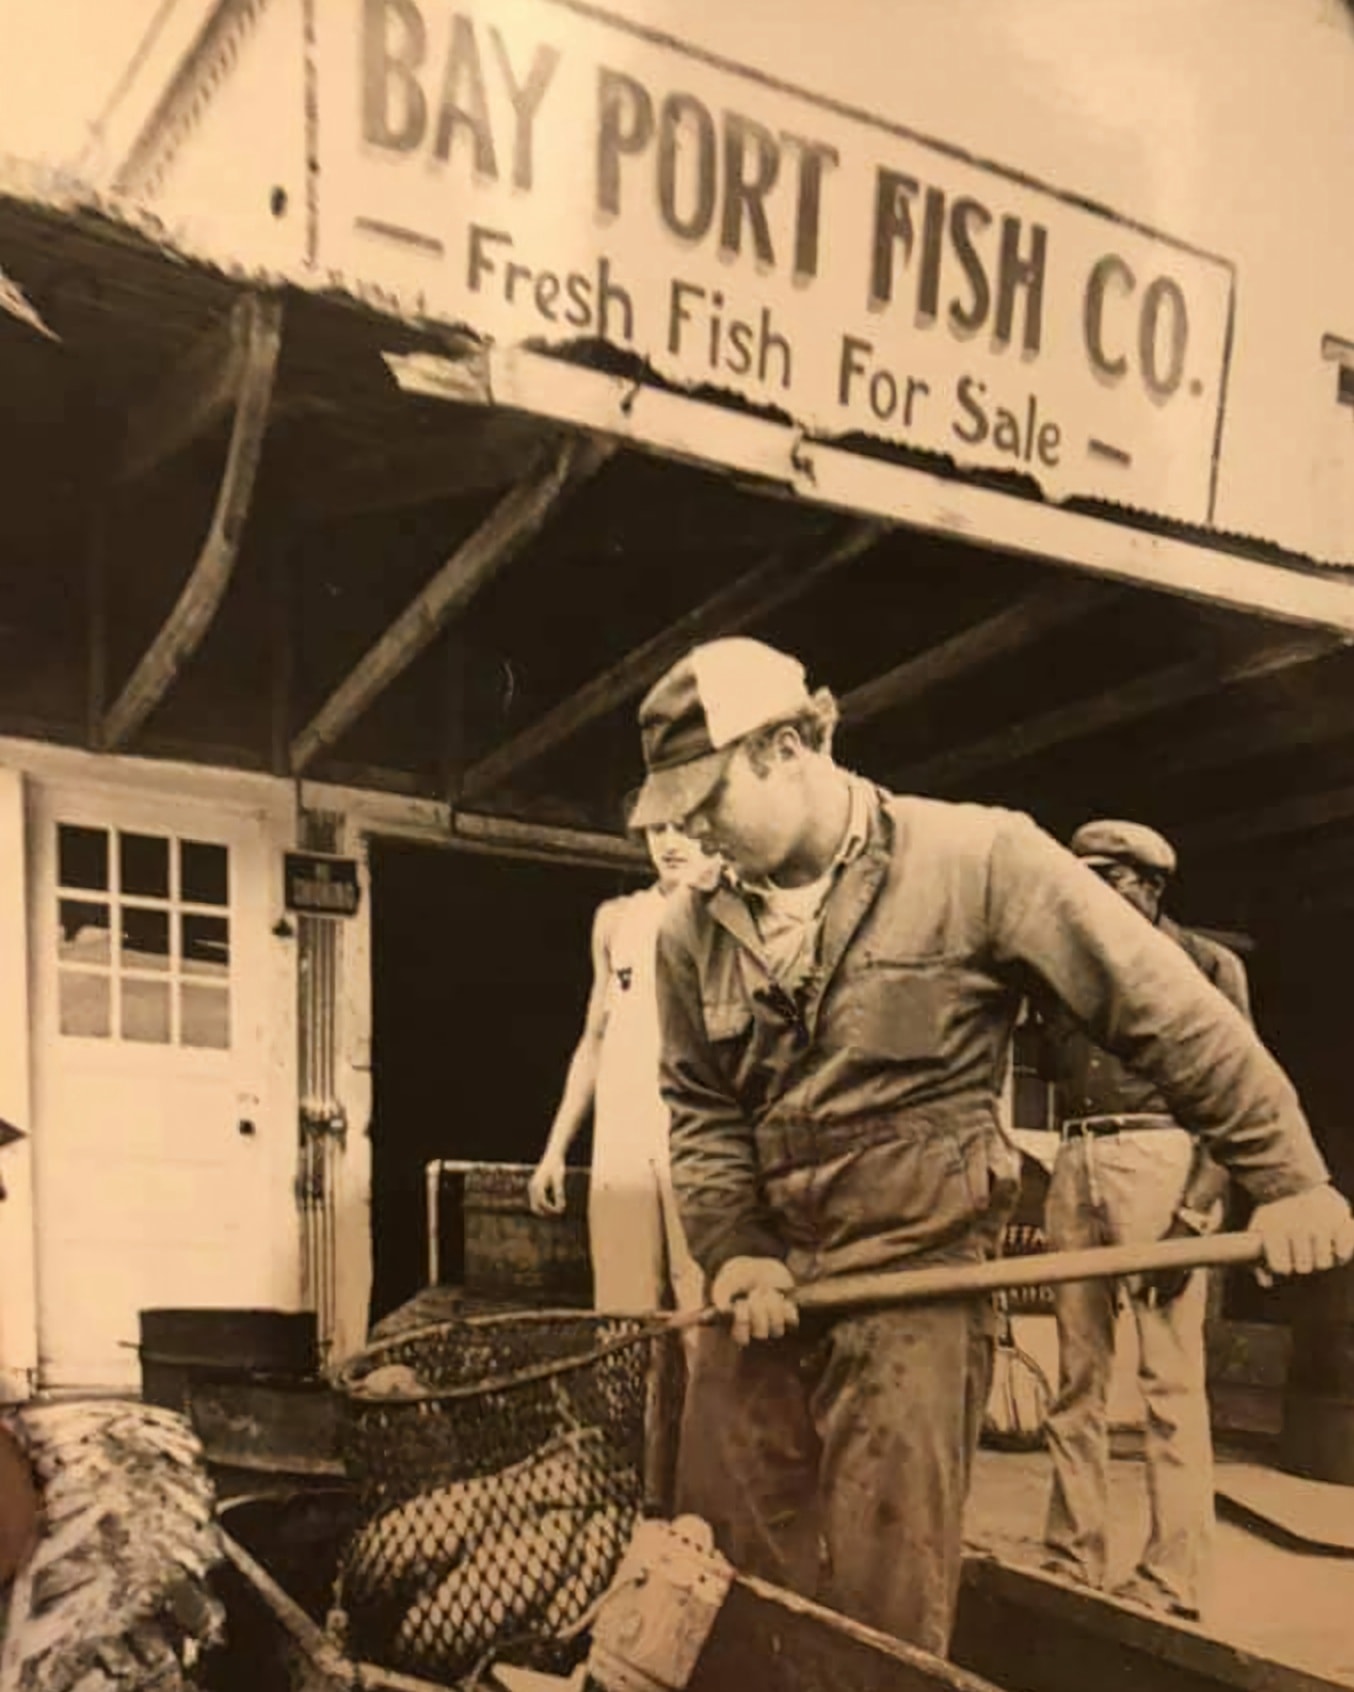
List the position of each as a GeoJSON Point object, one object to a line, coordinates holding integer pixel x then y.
{"type": "Point", "coordinates": [836, 1022]}
{"type": "Point", "coordinates": [1128, 1172]}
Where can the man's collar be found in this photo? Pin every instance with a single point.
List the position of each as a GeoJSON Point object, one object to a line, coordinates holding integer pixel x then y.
{"type": "Point", "coordinates": [862, 799]}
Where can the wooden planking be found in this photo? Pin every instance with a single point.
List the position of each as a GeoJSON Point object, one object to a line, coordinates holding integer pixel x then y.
{"type": "Point", "coordinates": [1033, 1631]}
{"type": "Point", "coordinates": [767, 587]}
{"type": "Point", "coordinates": [187, 624]}
{"type": "Point", "coordinates": [768, 1639]}
{"type": "Point", "coordinates": [1015, 626]}
{"type": "Point", "coordinates": [511, 524]}
{"type": "Point", "coordinates": [1159, 690]}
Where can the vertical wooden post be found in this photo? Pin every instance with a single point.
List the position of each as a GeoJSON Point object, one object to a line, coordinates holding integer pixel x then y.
{"type": "Point", "coordinates": [96, 608]}
{"type": "Point", "coordinates": [455, 697]}
{"type": "Point", "coordinates": [282, 632]}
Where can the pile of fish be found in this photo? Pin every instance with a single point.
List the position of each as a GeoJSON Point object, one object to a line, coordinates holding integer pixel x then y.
{"type": "Point", "coordinates": [115, 1597]}
{"type": "Point", "coordinates": [454, 1573]}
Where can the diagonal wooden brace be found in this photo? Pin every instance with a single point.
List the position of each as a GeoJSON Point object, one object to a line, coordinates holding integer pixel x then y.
{"type": "Point", "coordinates": [508, 527]}
{"type": "Point", "coordinates": [183, 630]}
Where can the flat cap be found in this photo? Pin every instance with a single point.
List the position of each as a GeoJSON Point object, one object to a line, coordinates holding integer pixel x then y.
{"type": "Point", "coordinates": [1112, 842]}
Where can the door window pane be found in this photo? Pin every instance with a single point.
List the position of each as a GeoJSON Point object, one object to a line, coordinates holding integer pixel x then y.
{"type": "Point", "coordinates": [83, 936]}
{"type": "Point", "coordinates": [145, 1010]}
{"type": "Point", "coordinates": [82, 856]}
{"type": "Point", "coordinates": [204, 1016]}
{"type": "Point", "coordinates": [203, 873]}
{"type": "Point", "coordinates": [166, 979]}
{"type": "Point", "coordinates": [205, 942]}
{"type": "Point", "coordinates": [84, 1003]}
{"type": "Point", "coordinates": [145, 938]}
{"type": "Point", "coordinates": [144, 862]}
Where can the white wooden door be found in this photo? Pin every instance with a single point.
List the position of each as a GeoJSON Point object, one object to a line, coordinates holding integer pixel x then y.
{"type": "Point", "coordinates": [163, 1148]}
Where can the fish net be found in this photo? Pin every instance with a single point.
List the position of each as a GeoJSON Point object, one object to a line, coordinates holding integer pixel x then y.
{"type": "Point", "coordinates": [499, 1464]}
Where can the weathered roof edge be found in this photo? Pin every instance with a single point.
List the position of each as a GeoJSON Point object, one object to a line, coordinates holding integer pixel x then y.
{"type": "Point", "coordinates": [57, 190]}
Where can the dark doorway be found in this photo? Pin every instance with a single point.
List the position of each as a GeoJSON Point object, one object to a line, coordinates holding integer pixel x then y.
{"type": "Point", "coordinates": [480, 976]}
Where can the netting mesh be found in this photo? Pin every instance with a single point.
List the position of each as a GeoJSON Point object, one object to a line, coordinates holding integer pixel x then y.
{"type": "Point", "coordinates": [499, 1463]}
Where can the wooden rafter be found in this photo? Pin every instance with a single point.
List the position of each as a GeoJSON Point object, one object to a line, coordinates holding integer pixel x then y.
{"type": "Point", "coordinates": [776, 453]}
{"type": "Point", "coordinates": [1160, 690]}
{"type": "Point", "coordinates": [742, 602]}
{"type": "Point", "coordinates": [513, 522]}
{"type": "Point", "coordinates": [188, 622]}
{"type": "Point", "coordinates": [1243, 740]}
{"type": "Point", "coordinates": [493, 451]}
{"type": "Point", "coordinates": [506, 833]}
{"type": "Point", "coordinates": [1014, 626]}
{"type": "Point", "coordinates": [1273, 868]}
{"type": "Point", "coordinates": [199, 391]}
{"type": "Point", "coordinates": [1299, 815]}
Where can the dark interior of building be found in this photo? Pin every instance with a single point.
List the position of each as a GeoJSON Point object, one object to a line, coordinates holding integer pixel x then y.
{"type": "Point", "coordinates": [480, 978]}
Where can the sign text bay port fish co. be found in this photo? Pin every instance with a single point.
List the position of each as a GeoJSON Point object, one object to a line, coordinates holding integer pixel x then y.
{"type": "Point", "coordinates": [542, 173]}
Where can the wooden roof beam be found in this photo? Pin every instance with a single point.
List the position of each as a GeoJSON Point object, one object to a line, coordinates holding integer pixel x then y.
{"type": "Point", "coordinates": [1299, 815]}
{"type": "Point", "coordinates": [1298, 723]}
{"type": "Point", "coordinates": [1274, 864]}
{"type": "Point", "coordinates": [196, 393]}
{"type": "Point", "coordinates": [1159, 690]}
{"type": "Point", "coordinates": [1008, 630]}
{"type": "Point", "coordinates": [183, 630]}
{"type": "Point", "coordinates": [742, 602]}
{"type": "Point", "coordinates": [497, 451]}
{"type": "Point", "coordinates": [517, 517]}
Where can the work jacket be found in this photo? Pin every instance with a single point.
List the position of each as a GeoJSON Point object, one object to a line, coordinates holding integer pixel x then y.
{"type": "Point", "coordinates": [1091, 1082]}
{"type": "Point", "coordinates": [856, 1126]}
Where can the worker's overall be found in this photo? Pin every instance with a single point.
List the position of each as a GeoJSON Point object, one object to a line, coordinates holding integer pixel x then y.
{"type": "Point", "coordinates": [852, 1125]}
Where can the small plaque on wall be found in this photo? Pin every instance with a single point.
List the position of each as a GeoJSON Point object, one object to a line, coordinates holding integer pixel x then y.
{"type": "Point", "coordinates": [321, 886]}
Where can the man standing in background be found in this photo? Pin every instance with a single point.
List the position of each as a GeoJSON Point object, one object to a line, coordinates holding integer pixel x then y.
{"type": "Point", "coordinates": [1126, 1173]}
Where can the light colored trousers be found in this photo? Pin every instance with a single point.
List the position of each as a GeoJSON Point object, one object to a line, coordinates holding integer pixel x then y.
{"type": "Point", "coordinates": [1110, 1190]}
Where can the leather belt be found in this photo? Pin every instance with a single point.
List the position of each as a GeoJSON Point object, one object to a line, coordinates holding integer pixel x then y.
{"type": "Point", "coordinates": [1080, 1126]}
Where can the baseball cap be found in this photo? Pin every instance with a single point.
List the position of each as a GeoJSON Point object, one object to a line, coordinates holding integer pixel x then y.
{"type": "Point", "coordinates": [694, 715]}
{"type": "Point", "coordinates": [1112, 842]}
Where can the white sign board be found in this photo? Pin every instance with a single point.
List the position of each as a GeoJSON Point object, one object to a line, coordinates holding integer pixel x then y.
{"type": "Point", "coordinates": [543, 174]}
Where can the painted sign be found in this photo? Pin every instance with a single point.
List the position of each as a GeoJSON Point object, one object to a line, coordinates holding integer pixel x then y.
{"type": "Point", "coordinates": [1025, 1236]}
{"type": "Point", "coordinates": [542, 173]}
{"type": "Point", "coordinates": [319, 885]}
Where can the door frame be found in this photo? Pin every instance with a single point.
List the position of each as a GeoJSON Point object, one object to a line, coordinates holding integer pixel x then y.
{"type": "Point", "coordinates": [31, 775]}
{"type": "Point", "coordinates": [18, 1219]}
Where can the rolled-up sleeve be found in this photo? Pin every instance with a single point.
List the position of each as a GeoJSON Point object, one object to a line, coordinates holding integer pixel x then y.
{"type": "Point", "coordinates": [714, 1161]}
{"type": "Point", "coordinates": [1141, 998]}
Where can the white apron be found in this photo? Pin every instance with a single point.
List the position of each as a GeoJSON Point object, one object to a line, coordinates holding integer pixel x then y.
{"type": "Point", "coordinates": [636, 1238]}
